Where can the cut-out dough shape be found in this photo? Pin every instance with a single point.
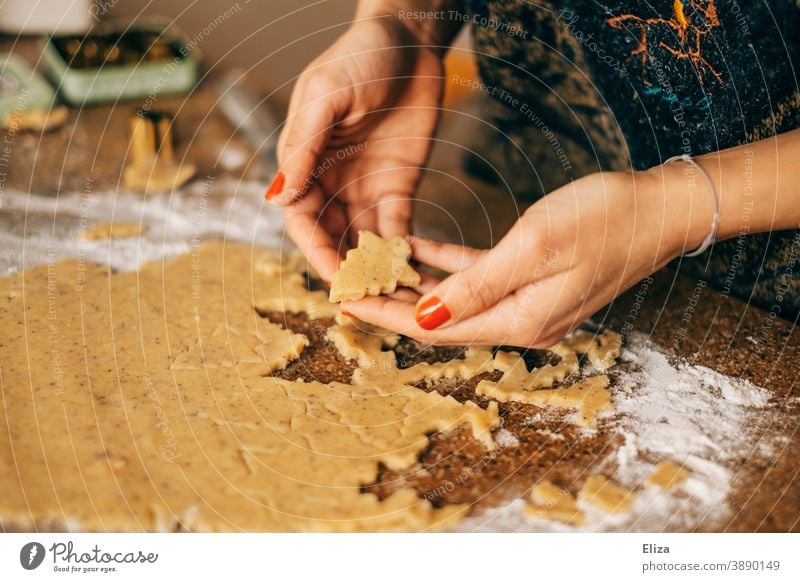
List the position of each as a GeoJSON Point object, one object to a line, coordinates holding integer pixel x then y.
{"type": "Point", "coordinates": [605, 495]}
{"type": "Point", "coordinates": [667, 475]}
{"type": "Point", "coordinates": [127, 444]}
{"type": "Point", "coordinates": [555, 504]}
{"type": "Point", "coordinates": [106, 230]}
{"type": "Point", "coordinates": [374, 267]}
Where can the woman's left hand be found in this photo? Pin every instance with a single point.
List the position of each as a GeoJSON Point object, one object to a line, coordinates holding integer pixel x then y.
{"type": "Point", "coordinates": [569, 254]}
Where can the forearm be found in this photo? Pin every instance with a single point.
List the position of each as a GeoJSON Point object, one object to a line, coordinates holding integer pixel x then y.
{"type": "Point", "coordinates": [431, 22]}
{"type": "Point", "coordinates": [757, 186]}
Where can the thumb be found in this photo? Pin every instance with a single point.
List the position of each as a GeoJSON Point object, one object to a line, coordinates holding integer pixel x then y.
{"type": "Point", "coordinates": [304, 139]}
{"type": "Point", "coordinates": [498, 272]}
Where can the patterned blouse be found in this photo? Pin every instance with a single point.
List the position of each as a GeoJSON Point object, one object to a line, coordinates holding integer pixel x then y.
{"type": "Point", "coordinates": [583, 85]}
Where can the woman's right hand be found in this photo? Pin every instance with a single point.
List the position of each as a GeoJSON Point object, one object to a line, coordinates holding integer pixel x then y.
{"type": "Point", "coordinates": [358, 132]}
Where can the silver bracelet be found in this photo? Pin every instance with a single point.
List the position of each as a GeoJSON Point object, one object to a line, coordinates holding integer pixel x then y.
{"type": "Point", "coordinates": [712, 235]}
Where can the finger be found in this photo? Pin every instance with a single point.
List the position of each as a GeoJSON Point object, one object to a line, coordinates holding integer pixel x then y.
{"type": "Point", "coordinates": [394, 215]}
{"type": "Point", "coordinates": [536, 316]}
{"type": "Point", "coordinates": [474, 289]}
{"type": "Point", "coordinates": [426, 284]}
{"type": "Point", "coordinates": [405, 294]}
{"type": "Point", "coordinates": [304, 228]}
{"type": "Point", "coordinates": [398, 316]}
{"type": "Point", "coordinates": [447, 257]}
{"type": "Point", "coordinates": [320, 106]}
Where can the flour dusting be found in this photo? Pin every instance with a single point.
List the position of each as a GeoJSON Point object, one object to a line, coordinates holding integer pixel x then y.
{"type": "Point", "coordinates": [683, 412]}
{"type": "Point", "coordinates": [175, 223]}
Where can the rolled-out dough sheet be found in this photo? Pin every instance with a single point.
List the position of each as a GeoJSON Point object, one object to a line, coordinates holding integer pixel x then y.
{"type": "Point", "coordinates": [141, 401]}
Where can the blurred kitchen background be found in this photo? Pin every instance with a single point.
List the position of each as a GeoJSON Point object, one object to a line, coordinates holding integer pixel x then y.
{"type": "Point", "coordinates": [136, 97]}
{"type": "Point", "coordinates": [273, 40]}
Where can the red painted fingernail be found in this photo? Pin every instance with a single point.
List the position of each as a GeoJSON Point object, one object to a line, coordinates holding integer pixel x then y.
{"type": "Point", "coordinates": [276, 187]}
{"type": "Point", "coordinates": [432, 313]}
{"type": "Point", "coordinates": [327, 282]}
{"type": "Point", "coordinates": [347, 313]}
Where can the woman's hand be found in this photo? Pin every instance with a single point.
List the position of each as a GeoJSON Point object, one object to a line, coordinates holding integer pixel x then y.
{"type": "Point", "coordinates": [358, 130]}
{"type": "Point", "coordinates": [569, 255]}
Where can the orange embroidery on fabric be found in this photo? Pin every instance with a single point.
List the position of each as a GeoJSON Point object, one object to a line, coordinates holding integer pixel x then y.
{"type": "Point", "coordinates": [691, 21]}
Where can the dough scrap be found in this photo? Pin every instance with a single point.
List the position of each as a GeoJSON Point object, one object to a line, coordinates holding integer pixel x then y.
{"type": "Point", "coordinates": [376, 266]}
{"type": "Point", "coordinates": [667, 475]}
{"type": "Point", "coordinates": [555, 504]}
{"type": "Point", "coordinates": [102, 431]}
{"type": "Point", "coordinates": [606, 495]}
{"type": "Point", "coordinates": [106, 230]}
{"type": "Point", "coordinates": [590, 397]}
{"type": "Point", "coordinates": [602, 350]}
{"type": "Point", "coordinates": [517, 379]}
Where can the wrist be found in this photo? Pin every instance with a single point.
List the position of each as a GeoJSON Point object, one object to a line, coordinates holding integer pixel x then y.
{"type": "Point", "coordinates": [425, 23]}
{"type": "Point", "coordinates": [688, 206]}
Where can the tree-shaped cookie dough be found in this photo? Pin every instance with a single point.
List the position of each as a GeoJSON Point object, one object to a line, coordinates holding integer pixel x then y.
{"type": "Point", "coordinates": [376, 266]}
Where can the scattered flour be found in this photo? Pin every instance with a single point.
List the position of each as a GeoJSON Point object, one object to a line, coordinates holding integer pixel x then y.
{"type": "Point", "coordinates": [505, 438]}
{"type": "Point", "coordinates": [687, 413]}
{"type": "Point", "coordinates": [172, 224]}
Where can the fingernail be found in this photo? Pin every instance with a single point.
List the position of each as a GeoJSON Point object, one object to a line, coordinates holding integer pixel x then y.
{"type": "Point", "coordinates": [347, 313]}
{"type": "Point", "coordinates": [432, 313]}
{"type": "Point", "coordinates": [276, 187]}
{"type": "Point", "coordinates": [327, 282]}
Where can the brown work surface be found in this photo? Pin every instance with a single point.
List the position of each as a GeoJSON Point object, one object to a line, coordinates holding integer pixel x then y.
{"type": "Point", "coordinates": [740, 341]}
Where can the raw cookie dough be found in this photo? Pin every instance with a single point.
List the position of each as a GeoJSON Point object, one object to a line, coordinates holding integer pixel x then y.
{"type": "Point", "coordinates": [378, 370]}
{"type": "Point", "coordinates": [602, 350]}
{"type": "Point", "coordinates": [106, 230]}
{"type": "Point", "coordinates": [269, 348]}
{"type": "Point", "coordinates": [376, 266]}
{"type": "Point", "coordinates": [284, 287]}
{"type": "Point", "coordinates": [138, 402]}
{"type": "Point", "coordinates": [517, 379]}
{"type": "Point", "coordinates": [602, 493]}
{"type": "Point", "coordinates": [667, 475]}
{"type": "Point", "coordinates": [590, 397]}
{"type": "Point", "coordinates": [551, 502]}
